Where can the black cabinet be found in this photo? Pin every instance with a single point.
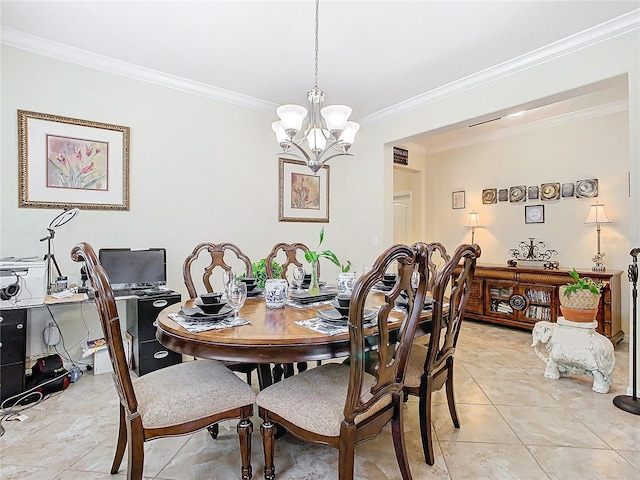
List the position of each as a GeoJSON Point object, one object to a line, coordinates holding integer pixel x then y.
{"type": "Point", "coordinates": [13, 350]}
{"type": "Point", "coordinates": [148, 353]}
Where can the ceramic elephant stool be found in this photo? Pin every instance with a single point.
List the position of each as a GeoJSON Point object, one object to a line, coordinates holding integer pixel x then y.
{"type": "Point", "coordinates": [574, 347]}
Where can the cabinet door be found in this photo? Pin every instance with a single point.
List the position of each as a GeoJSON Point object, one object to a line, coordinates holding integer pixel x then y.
{"type": "Point", "coordinates": [540, 303]}
{"type": "Point", "coordinates": [497, 294]}
{"type": "Point", "coordinates": [474, 304]}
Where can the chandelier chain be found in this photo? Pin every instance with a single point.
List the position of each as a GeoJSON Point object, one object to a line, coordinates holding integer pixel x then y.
{"type": "Point", "coordinates": [317, 21]}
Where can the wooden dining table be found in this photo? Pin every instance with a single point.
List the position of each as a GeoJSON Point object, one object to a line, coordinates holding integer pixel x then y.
{"type": "Point", "coordinates": [271, 337]}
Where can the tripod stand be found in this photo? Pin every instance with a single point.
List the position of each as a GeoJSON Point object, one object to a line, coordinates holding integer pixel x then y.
{"type": "Point", "coordinates": [61, 220]}
{"type": "Point", "coordinates": [50, 258]}
{"type": "Point", "coordinates": [630, 403]}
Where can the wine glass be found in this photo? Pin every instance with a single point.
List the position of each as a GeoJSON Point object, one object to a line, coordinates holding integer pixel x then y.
{"type": "Point", "coordinates": [298, 278]}
{"type": "Point", "coordinates": [228, 277]}
{"type": "Point", "coordinates": [237, 295]}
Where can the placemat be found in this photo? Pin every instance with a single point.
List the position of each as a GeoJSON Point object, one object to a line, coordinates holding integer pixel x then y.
{"type": "Point", "coordinates": [196, 326]}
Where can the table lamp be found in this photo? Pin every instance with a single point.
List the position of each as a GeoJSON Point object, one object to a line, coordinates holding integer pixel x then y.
{"type": "Point", "coordinates": [598, 215]}
{"type": "Point", "coordinates": [474, 222]}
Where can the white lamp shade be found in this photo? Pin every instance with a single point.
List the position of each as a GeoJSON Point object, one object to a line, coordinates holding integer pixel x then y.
{"type": "Point", "coordinates": [335, 117]}
{"type": "Point", "coordinates": [316, 139]}
{"type": "Point", "coordinates": [349, 133]}
{"type": "Point", "coordinates": [474, 220]}
{"type": "Point", "coordinates": [597, 214]}
{"type": "Point", "coordinates": [292, 116]}
{"type": "Point", "coordinates": [278, 129]}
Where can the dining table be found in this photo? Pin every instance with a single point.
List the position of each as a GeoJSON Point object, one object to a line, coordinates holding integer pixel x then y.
{"type": "Point", "coordinates": [271, 336]}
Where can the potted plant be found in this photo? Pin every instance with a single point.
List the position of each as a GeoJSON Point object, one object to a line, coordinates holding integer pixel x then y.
{"type": "Point", "coordinates": [313, 257]}
{"type": "Point", "coordinates": [260, 271]}
{"type": "Point", "coordinates": [579, 299]}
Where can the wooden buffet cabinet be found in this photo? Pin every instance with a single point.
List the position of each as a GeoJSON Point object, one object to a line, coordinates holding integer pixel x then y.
{"type": "Point", "coordinates": [521, 296]}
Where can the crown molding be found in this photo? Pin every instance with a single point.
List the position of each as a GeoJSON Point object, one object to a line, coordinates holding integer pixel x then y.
{"type": "Point", "coordinates": [600, 33]}
{"type": "Point", "coordinates": [78, 56]}
{"type": "Point", "coordinates": [542, 124]}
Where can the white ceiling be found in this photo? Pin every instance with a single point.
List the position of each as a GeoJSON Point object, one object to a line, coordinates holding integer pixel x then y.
{"type": "Point", "coordinates": [373, 55]}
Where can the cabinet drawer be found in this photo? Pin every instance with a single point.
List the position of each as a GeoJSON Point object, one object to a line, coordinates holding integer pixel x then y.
{"type": "Point", "coordinates": [152, 355]}
{"type": "Point", "coordinates": [147, 313]}
{"type": "Point", "coordinates": [11, 380]}
{"type": "Point", "coordinates": [13, 342]}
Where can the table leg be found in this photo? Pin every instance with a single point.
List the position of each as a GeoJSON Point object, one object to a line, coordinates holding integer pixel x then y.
{"type": "Point", "coordinates": [264, 375]}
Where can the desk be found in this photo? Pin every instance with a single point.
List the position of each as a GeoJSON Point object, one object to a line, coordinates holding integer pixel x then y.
{"type": "Point", "coordinates": [272, 337]}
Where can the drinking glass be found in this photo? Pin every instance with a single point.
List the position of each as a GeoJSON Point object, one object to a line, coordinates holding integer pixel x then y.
{"type": "Point", "coordinates": [298, 278]}
{"type": "Point", "coordinates": [228, 277]}
{"type": "Point", "coordinates": [237, 295]}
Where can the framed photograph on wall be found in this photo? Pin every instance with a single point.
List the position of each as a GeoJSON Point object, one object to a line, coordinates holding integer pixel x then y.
{"type": "Point", "coordinates": [534, 214]}
{"type": "Point", "coordinates": [457, 200]}
{"type": "Point", "coordinates": [303, 196]}
{"type": "Point", "coordinates": [68, 162]}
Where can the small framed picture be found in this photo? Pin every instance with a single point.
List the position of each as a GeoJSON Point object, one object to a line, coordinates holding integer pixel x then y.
{"type": "Point", "coordinates": [457, 200]}
{"type": "Point", "coordinates": [534, 214]}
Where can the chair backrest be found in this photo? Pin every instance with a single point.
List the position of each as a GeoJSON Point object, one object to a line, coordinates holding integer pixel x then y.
{"type": "Point", "coordinates": [108, 313]}
{"type": "Point", "coordinates": [437, 257]}
{"type": "Point", "coordinates": [290, 250]}
{"type": "Point", "coordinates": [451, 292]}
{"type": "Point", "coordinates": [217, 252]}
{"type": "Point", "coordinates": [389, 360]}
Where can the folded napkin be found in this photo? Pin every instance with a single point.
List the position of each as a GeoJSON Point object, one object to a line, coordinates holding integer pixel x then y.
{"type": "Point", "coordinates": [196, 326]}
{"type": "Point", "coordinates": [302, 306]}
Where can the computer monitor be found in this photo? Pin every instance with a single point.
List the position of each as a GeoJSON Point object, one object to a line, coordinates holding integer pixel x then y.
{"type": "Point", "coordinates": [129, 268]}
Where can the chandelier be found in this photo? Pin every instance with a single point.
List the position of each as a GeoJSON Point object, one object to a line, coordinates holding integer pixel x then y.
{"type": "Point", "coordinates": [326, 133]}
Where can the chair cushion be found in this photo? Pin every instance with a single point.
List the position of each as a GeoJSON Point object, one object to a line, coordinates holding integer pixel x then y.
{"type": "Point", "coordinates": [415, 366]}
{"type": "Point", "coordinates": [189, 391]}
{"type": "Point", "coordinates": [314, 400]}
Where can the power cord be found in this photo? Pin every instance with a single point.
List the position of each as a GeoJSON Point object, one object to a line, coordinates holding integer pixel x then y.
{"type": "Point", "coordinates": [9, 414]}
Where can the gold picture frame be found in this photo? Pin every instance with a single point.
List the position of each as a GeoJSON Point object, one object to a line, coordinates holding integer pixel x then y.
{"type": "Point", "coordinates": [303, 195]}
{"type": "Point", "coordinates": [68, 162]}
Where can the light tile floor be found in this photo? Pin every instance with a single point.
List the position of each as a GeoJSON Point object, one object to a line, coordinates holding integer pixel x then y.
{"type": "Point", "coordinates": [515, 424]}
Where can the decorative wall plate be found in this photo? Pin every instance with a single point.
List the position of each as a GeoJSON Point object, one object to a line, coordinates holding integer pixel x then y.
{"type": "Point", "coordinates": [550, 191]}
{"type": "Point", "coordinates": [489, 195]}
{"type": "Point", "coordinates": [503, 195]}
{"type": "Point", "coordinates": [568, 190]}
{"type": "Point", "coordinates": [533, 193]}
{"type": "Point", "coordinates": [587, 188]}
{"type": "Point", "coordinates": [517, 194]}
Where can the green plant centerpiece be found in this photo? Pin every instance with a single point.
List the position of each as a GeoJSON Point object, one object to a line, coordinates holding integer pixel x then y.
{"type": "Point", "coordinates": [313, 257]}
{"type": "Point", "coordinates": [579, 299]}
{"type": "Point", "coordinates": [259, 269]}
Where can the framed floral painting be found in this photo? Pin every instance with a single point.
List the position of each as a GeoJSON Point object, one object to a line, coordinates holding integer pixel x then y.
{"type": "Point", "coordinates": [304, 196]}
{"type": "Point", "coordinates": [68, 162]}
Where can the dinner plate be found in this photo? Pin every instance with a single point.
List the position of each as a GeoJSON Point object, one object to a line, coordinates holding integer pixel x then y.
{"type": "Point", "coordinates": [255, 292]}
{"type": "Point", "coordinates": [304, 297]}
{"type": "Point", "coordinates": [383, 287]}
{"type": "Point", "coordinates": [333, 315]}
{"type": "Point", "coordinates": [196, 313]}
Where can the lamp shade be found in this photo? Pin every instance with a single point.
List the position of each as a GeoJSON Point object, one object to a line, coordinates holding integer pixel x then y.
{"type": "Point", "coordinates": [316, 139]}
{"type": "Point", "coordinates": [281, 135]}
{"type": "Point", "coordinates": [597, 214]}
{"type": "Point", "coordinates": [349, 133]}
{"type": "Point", "coordinates": [335, 117]}
{"type": "Point", "coordinates": [292, 116]}
{"type": "Point", "coordinates": [474, 220]}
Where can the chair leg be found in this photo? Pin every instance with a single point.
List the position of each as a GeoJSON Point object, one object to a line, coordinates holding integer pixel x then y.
{"type": "Point", "coordinates": [288, 370]}
{"type": "Point", "coordinates": [245, 429]}
{"type": "Point", "coordinates": [269, 446]}
{"type": "Point", "coordinates": [397, 432]}
{"type": "Point", "coordinates": [424, 409]}
{"type": "Point", "coordinates": [122, 442]}
{"type": "Point", "coordinates": [278, 372]}
{"type": "Point", "coordinates": [302, 366]}
{"type": "Point", "coordinates": [213, 430]}
{"type": "Point", "coordinates": [135, 438]}
{"type": "Point", "coordinates": [450, 397]}
{"type": "Point", "coordinates": [346, 455]}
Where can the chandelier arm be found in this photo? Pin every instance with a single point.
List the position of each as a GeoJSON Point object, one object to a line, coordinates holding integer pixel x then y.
{"type": "Point", "coordinates": [306, 155]}
{"type": "Point", "coordinates": [322, 162]}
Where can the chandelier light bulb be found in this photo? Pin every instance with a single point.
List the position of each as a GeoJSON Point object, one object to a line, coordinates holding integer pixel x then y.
{"type": "Point", "coordinates": [335, 118]}
{"type": "Point", "coordinates": [317, 140]}
{"type": "Point", "coordinates": [292, 117]}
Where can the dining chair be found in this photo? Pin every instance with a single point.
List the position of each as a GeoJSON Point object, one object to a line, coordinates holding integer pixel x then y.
{"type": "Point", "coordinates": [342, 405]}
{"type": "Point", "coordinates": [172, 401]}
{"type": "Point", "coordinates": [290, 251]}
{"type": "Point", "coordinates": [217, 252]}
{"type": "Point", "coordinates": [430, 368]}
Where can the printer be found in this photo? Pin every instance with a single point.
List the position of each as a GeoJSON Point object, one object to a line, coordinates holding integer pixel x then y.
{"type": "Point", "coordinates": [23, 283]}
